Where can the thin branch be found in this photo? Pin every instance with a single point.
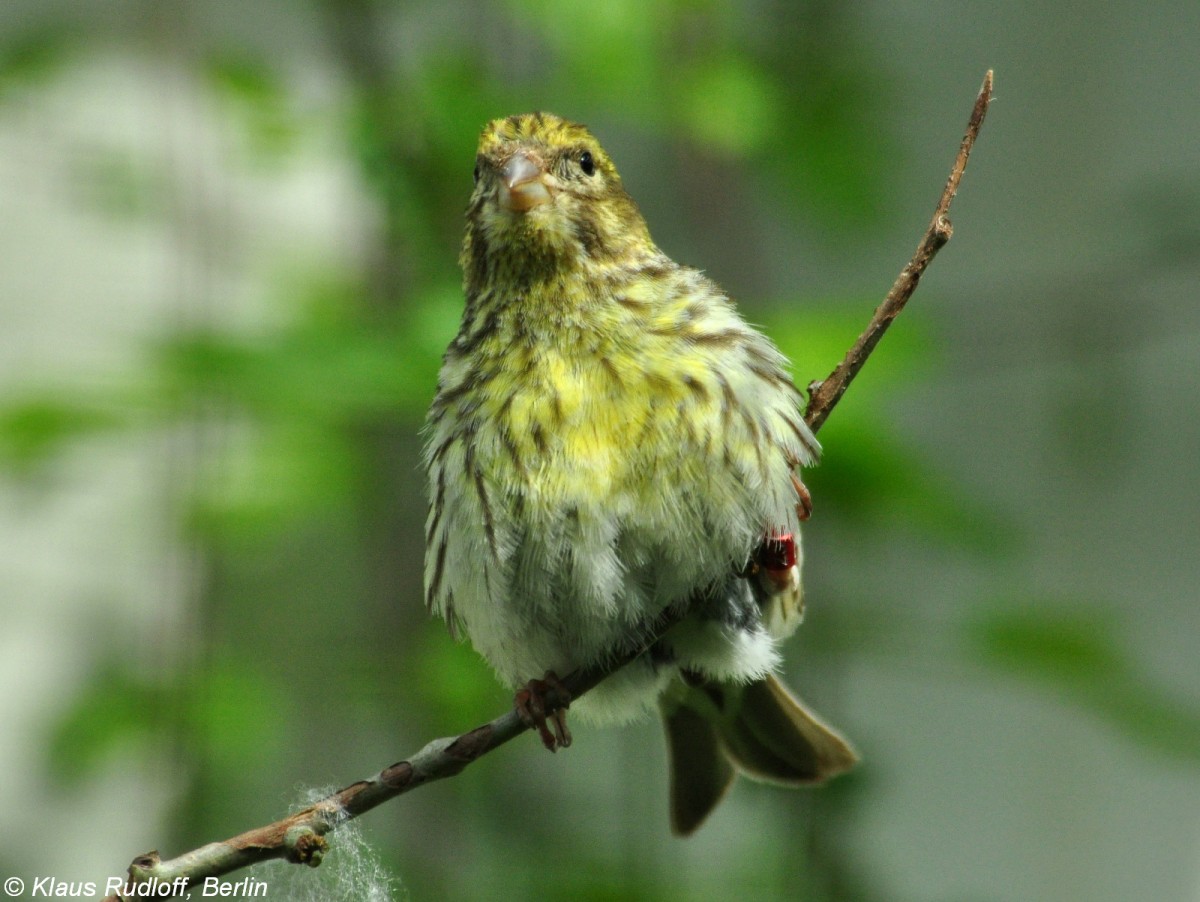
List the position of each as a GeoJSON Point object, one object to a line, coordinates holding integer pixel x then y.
{"type": "Point", "coordinates": [822, 396]}
{"type": "Point", "coordinates": [300, 837]}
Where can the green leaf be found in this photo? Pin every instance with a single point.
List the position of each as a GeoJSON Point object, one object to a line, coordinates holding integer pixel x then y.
{"type": "Point", "coordinates": [816, 338]}
{"type": "Point", "coordinates": [828, 153]}
{"type": "Point", "coordinates": [605, 55]}
{"type": "Point", "coordinates": [729, 106]}
{"type": "Point", "coordinates": [1062, 647]}
{"type": "Point", "coordinates": [35, 429]}
{"type": "Point", "coordinates": [237, 712]}
{"type": "Point", "coordinates": [115, 713]}
{"type": "Point", "coordinates": [281, 473]}
{"type": "Point", "coordinates": [32, 57]}
{"type": "Point", "coordinates": [328, 372]}
{"type": "Point", "coordinates": [1077, 653]}
{"type": "Point", "coordinates": [257, 99]}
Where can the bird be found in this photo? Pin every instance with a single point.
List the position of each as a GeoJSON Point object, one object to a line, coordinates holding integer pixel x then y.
{"type": "Point", "coordinates": [609, 441]}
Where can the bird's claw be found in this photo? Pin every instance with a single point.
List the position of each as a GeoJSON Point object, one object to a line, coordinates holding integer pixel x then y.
{"type": "Point", "coordinates": [547, 715]}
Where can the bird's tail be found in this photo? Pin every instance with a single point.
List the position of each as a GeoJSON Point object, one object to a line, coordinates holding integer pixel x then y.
{"type": "Point", "coordinates": [717, 730]}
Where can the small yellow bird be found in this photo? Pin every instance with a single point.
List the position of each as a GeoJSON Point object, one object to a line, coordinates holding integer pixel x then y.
{"type": "Point", "coordinates": [610, 440]}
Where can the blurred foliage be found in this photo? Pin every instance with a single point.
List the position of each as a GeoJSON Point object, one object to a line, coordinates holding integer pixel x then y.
{"type": "Point", "coordinates": [303, 503]}
{"type": "Point", "coordinates": [116, 714]}
{"type": "Point", "coordinates": [124, 712]}
{"type": "Point", "coordinates": [116, 185]}
{"type": "Point", "coordinates": [39, 426]}
{"type": "Point", "coordinates": [866, 471]}
{"type": "Point", "coordinates": [1076, 651]}
{"type": "Point", "coordinates": [257, 101]}
{"type": "Point", "coordinates": [32, 57]}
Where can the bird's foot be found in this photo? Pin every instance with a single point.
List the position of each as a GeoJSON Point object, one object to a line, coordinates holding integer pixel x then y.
{"type": "Point", "coordinates": [548, 717]}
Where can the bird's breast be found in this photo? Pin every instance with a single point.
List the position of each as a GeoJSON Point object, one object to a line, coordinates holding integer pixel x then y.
{"type": "Point", "coordinates": [567, 424]}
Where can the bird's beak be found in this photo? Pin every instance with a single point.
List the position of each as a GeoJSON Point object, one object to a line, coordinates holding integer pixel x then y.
{"type": "Point", "coordinates": [521, 184]}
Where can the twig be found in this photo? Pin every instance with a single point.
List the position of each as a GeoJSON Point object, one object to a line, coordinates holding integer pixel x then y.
{"type": "Point", "coordinates": [822, 396]}
{"type": "Point", "coordinates": [300, 837]}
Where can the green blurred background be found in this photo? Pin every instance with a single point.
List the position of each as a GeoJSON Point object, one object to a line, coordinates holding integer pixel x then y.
{"type": "Point", "coordinates": [228, 241]}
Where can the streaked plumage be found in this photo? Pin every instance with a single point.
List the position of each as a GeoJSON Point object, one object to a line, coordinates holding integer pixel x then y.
{"type": "Point", "coordinates": [610, 438]}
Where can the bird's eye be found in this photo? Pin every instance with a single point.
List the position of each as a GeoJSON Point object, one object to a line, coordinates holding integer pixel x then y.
{"type": "Point", "coordinates": [476, 173]}
{"type": "Point", "coordinates": [587, 164]}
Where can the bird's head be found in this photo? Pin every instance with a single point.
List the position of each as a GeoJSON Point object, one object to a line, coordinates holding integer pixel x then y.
{"type": "Point", "coordinates": [547, 198]}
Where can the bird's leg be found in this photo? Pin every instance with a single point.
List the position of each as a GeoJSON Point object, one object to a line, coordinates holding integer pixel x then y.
{"type": "Point", "coordinates": [804, 505]}
{"type": "Point", "coordinates": [775, 557]}
{"type": "Point", "coordinates": [531, 706]}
